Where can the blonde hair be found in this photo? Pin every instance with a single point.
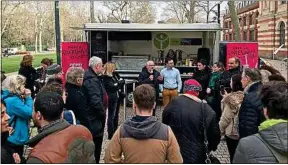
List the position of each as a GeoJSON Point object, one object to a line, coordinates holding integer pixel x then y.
{"type": "Point", "coordinates": [13, 84]}
{"type": "Point", "coordinates": [109, 68]}
{"type": "Point", "coordinates": [27, 60]}
{"type": "Point", "coordinates": [73, 73]}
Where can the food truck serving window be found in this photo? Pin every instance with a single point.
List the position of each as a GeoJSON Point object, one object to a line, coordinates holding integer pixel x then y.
{"type": "Point", "coordinates": [117, 36]}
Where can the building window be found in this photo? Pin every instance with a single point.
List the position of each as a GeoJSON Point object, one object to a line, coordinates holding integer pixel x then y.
{"type": "Point", "coordinates": [251, 35]}
{"type": "Point", "coordinates": [244, 21]}
{"type": "Point", "coordinates": [245, 35]}
{"type": "Point", "coordinates": [240, 19]}
{"type": "Point", "coordinates": [230, 36]}
{"type": "Point", "coordinates": [284, 2]}
{"type": "Point", "coordinates": [282, 33]}
{"type": "Point", "coordinates": [250, 19]}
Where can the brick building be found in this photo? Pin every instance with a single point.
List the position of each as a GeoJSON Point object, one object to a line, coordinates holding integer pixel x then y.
{"type": "Point", "coordinates": [262, 21]}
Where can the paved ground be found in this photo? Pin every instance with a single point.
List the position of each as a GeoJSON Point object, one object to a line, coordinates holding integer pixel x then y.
{"type": "Point", "coordinates": [221, 153]}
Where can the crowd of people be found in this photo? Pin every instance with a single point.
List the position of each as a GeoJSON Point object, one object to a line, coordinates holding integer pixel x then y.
{"type": "Point", "coordinates": [247, 107]}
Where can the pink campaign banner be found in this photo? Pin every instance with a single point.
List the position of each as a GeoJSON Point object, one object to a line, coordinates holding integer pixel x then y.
{"type": "Point", "coordinates": [74, 54]}
{"type": "Point", "coordinates": [246, 52]}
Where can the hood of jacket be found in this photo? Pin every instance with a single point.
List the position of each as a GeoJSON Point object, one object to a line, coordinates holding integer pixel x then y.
{"type": "Point", "coordinates": [4, 93]}
{"type": "Point", "coordinates": [47, 130]}
{"type": "Point", "coordinates": [142, 130]}
{"type": "Point", "coordinates": [275, 134]}
{"type": "Point", "coordinates": [233, 99]}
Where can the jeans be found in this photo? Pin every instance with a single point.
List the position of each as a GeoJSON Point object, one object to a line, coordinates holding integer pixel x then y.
{"type": "Point", "coordinates": [112, 105]}
{"type": "Point", "coordinates": [98, 148]}
{"type": "Point", "coordinates": [231, 145]}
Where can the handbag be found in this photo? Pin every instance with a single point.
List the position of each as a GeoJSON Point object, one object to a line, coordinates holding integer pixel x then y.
{"type": "Point", "coordinates": [210, 158]}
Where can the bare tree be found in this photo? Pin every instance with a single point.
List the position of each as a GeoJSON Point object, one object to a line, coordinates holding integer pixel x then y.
{"type": "Point", "coordinates": [137, 11]}
{"type": "Point", "coordinates": [8, 10]}
{"type": "Point", "coordinates": [183, 11]}
{"type": "Point", "coordinates": [92, 14]}
{"type": "Point", "coordinates": [234, 19]}
{"type": "Point", "coordinates": [209, 7]}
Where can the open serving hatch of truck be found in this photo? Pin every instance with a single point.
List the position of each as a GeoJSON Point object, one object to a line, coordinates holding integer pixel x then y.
{"type": "Point", "coordinates": [131, 45]}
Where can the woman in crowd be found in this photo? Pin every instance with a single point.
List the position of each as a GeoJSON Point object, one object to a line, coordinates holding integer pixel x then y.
{"type": "Point", "coordinates": [202, 75]}
{"type": "Point", "coordinates": [41, 72]}
{"type": "Point", "coordinates": [19, 104]}
{"type": "Point", "coordinates": [212, 90]}
{"type": "Point", "coordinates": [231, 105]}
{"type": "Point", "coordinates": [270, 144]}
{"type": "Point", "coordinates": [122, 95]}
{"type": "Point", "coordinates": [74, 99]}
{"type": "Point", "coordinates": [27, 70]}
{"type": "Point", "coordinates": [111, 85]}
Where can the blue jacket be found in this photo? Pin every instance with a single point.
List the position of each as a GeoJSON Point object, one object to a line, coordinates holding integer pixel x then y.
{"type": "Point", "coordinates": [20, 111]}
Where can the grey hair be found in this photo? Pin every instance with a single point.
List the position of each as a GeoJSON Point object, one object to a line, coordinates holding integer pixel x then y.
{"type": "Point", "coordinates": [13, 83]}
{"type": "Point", "coordinates": [148, 62]}
{"type": "Point", "coordinates": [73, 73]}
{"type": "Point", "coordinates": [253, 73]}
{"type": "Point", "coordinates": [93, 61]}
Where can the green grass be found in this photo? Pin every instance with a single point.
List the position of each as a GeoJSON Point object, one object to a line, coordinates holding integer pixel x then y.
{"type": "Point", "coordinates": [12, 63]}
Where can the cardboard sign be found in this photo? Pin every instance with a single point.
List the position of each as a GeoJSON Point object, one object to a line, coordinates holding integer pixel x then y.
{"type": "Point", "coordinates": [246, 52]}
{"type": "Point", "coordinates": [74, 54]}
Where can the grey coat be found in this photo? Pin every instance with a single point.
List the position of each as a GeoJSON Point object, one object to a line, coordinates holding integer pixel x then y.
{"type": "Point", "coordinates": [253, 150]}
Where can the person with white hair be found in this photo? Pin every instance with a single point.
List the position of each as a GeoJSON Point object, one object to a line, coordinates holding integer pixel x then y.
{"type": "Point", "coordinates": [19, 105]}
{"type": "Point", "coordinates": [95, 102]}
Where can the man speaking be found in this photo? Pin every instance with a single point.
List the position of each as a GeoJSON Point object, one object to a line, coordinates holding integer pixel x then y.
{"type": "Point", "coordinates": [151, 76]}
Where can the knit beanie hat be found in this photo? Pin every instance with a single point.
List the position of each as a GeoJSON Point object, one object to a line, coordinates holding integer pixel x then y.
{"type": "Point", "coordinates": [192, 87]}
{"type": "Point", "coordinates": [54, 69]}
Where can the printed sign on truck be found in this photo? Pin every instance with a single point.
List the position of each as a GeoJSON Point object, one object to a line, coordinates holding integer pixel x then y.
{"type": "Point", "coordinates": [246, 52]}
{"type": "Point", "coordinates": [74, 54]}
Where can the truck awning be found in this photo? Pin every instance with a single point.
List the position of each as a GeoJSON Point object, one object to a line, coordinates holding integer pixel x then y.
{"type": "Point", "coordinates": [149, 27]}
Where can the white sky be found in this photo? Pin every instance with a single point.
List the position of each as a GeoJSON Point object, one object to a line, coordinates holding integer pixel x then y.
{"type": "Point", "coordinates": [159, 5]}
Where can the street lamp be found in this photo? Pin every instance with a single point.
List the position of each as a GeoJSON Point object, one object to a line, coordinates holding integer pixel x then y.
{"type": "Point", "coordinates": [57, 32]}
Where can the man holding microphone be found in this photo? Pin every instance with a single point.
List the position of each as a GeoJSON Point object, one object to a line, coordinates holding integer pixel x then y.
{"type": "Point", "coordinates": [151, 76]}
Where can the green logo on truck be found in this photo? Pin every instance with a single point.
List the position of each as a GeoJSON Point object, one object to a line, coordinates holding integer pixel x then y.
{"type": "Point", "coordinates": [161, 41]}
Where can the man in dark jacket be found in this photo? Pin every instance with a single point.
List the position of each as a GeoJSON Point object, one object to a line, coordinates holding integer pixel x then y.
{"type": "Point", "coordinates": [95, 94]}
{"type": "Point", "coordinates": [251, 108]}
{"type": "Point", "coordinates": [58, 141]}
{"type": "Point", "coordinates": [184, 114]}
{"type": "Point", "coordinates": [234, 68]}
{"type": "Point", "coordinates": [270, 144]}
{"type": "Point", "coordinates": [151, 76]}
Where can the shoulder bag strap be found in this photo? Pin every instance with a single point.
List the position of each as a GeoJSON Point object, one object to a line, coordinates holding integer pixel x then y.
{"type": "Point", "coordinates": [280, 158]}
{"type": "Point", "coordinates": [73, 117]}
{"type": "Point", "coordinates": [206, 143]}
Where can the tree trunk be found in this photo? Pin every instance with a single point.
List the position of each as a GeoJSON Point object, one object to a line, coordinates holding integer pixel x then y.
{"type": "Point", "coordinates": [191, 12]}
{"type": "Point", "coordinates": [36, 35]}
{"type": "Point", "coordinates": [208, 12]}
{"type": "Point", "coordinates": [40, 35]}
{"type": "Point", "coordinates": [234, 19]}
{"type": "Point", "coordinates": [92, 16]}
